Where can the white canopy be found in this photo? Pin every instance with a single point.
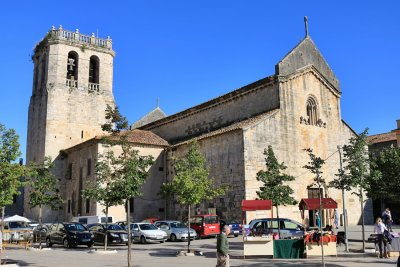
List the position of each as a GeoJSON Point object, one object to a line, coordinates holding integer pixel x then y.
{"type": "Point", "coordinates": [16, 218]}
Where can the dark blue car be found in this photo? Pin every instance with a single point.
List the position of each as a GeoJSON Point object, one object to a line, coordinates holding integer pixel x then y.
{"type": "Point", "coordinates": [236, 227]}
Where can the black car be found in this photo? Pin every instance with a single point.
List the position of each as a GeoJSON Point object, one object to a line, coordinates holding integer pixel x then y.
{"type": "Point", "coordinates": [69, 235]}
{"type": "Point", "coordinates": [115, 233]}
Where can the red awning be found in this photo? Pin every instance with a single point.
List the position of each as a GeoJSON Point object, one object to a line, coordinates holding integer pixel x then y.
{"type": "Point", "coordinates": [256, 205]}
{"type": "Point", "coordinates": [313, 204]}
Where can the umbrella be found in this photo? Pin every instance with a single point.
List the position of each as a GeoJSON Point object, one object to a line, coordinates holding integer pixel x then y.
{"type": "Point", "coordinates": [16, 218]}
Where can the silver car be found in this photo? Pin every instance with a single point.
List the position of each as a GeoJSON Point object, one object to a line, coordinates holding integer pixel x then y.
{"type": "Point", "coordinates": [146, 232]}
{"type": "Point", "coordinates": [175, 230]}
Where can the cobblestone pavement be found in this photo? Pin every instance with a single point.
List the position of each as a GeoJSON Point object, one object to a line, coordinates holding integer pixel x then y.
{"type": "Point", "coordinates": [160, 255]}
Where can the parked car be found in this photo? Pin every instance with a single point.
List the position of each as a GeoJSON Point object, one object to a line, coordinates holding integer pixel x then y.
{"type": "Point", "coordinates": [40, 232]}
{"type": "Point", "coordinates": [146, 232]}
{"type": "Point", "coordinates": [287, 227]}
{"type": "Point", "coordinates": [115, 233]}
{"type": "Point", "coordinates": [69, 235]}
{"type": "Point", "coordinates": [204, 225]}
{"type": "Point", "coordinates": [150, 220]}
{"type": "Point", "coordinates": [175, 230]}
{"type": "Point", "coordinates": [236, 227]}
{"type": "Point", "coordinates": [17, 231]}
{"type": "Point", "coordinates": [93, 219]}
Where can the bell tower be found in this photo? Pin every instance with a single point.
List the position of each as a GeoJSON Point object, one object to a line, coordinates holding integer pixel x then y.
{"type": "Point", "coordinates": [72, 86]}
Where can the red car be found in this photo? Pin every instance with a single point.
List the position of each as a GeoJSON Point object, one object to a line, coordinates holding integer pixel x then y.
{"type": "Point", "coordinates": [205, 225]}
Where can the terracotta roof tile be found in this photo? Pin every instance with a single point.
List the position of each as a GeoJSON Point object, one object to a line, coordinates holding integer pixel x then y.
{"type": "Point", "coordinates": [141, 137]}
{"type": "Point", "coordinates": [380, 138]}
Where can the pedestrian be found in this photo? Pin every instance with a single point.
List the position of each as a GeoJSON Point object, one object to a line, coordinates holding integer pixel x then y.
{"type": "Point", "coordinates": [317, 219]}
{"type": "Point", "coordinates": [379, 229]}
{"type": "Point", "coordinates": [223, 247]}
{"type": "Point", "coordinates": [387, 219]}
{"type": "Point", "coordinates": [336, 219]}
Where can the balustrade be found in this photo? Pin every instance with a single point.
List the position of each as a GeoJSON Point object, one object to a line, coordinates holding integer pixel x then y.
{"type": "Point", "coordinates": [72, 83]}
{"type": "Point", "coordinates": [61, 34]}
{"type": "Point", "coordinates": [94, 87]}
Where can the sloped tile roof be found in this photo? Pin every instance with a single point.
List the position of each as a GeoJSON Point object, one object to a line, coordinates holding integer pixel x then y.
{"type": "Point", "coordinates": [380, 138]}
{"type": "Point", "coordinates": [140, 137]}
{"type": "Point", "coordinates": [154, 115]}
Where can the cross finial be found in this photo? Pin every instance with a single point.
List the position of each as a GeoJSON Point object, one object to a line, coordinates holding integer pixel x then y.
{"type": "Point", "coordinates": [306, 24]}
{"type": "Point", "coordinates": [158, 102]}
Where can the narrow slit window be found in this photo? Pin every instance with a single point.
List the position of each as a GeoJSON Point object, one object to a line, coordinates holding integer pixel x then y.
{"type": "Point", "coordinates": [312, 111]}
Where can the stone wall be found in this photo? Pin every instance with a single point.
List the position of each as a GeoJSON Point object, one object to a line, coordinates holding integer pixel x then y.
{"type": "Point", "coordinates": [224, 158]}
{"type": "Point", "coordinates": [244, 103]}
{"type": "Point", "coordinates": [147, 205]}
{"type": "Point", "coordinates": [289, 137]}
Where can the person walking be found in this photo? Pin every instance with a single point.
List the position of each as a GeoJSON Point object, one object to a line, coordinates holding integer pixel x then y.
{"type": "Point", "coordinates": [387, 219]}
{"type": "Point", "coordinates": [379, 229]}
{"type": "Point", "coordinates": [223, 247]}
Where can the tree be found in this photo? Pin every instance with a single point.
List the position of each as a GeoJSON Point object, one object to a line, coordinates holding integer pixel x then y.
{"type": "Point", "coordinates": [273, 180]}
{"type": "Point", "coordinates": [384, 179]}
{"type": "Point", "coordinates": [357, 167]}
{"type": "Point", "coordinates": [44, 188]}
{"type": "Point", "coordinates": [102, 189]}
{"type": "Point", "coordinates": [10, 171]}
{"type": "Point", "coordinates": [314, 166]}
{"type": "Point", "coordinates": [126, 172]}
{"type": "Point", "coordinates": [191, 183]}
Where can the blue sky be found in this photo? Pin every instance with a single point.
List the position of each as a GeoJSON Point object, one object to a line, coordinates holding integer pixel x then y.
{"type": "Point", "coordinates": [187, 52]}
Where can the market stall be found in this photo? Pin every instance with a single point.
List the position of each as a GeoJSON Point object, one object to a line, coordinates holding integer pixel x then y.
{"type": "Point", "coordinates": [314, 240]}
{"type": "Point", "coordinates": [256, 245]}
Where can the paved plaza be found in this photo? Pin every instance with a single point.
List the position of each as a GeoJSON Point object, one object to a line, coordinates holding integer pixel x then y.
{"type": "Point", "coordinates": [152, 255]}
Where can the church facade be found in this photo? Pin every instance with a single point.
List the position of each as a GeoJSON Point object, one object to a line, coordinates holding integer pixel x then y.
{"type": "Point", "coordinates": [296, 108]}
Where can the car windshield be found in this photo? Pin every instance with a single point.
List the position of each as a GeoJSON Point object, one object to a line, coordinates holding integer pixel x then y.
{"type": "Point", "coordinates": [147, 227]}
{"type": "Point", "coordinates": [232, 222]}
{"type": "Point", "coordinates": [18, 225]}
{"type": "Point", "coordinates": [178, 225]}
{"type": "Point", "coordinates": [75, 227]}
{"type": "Point", "coordinates": [114, 227]}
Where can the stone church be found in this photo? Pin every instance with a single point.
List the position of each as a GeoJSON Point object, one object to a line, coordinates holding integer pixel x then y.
{"type": "Point", "coordinates": [297, 107]}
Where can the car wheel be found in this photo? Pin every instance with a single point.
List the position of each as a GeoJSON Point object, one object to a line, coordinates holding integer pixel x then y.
{"type": "Point", "coordinates": [198, 235]}
{"type": "Point", "coordinates": [173, 237]}
{"type": "Point", "coordinates": [90, 245]}
{"type": "Point", "coordinates": [66, 243]}
{"type": "Point", "coordinates": [162, 241]}
{"type": "Point", "coordinates": [236, 235]}
{"type": "Point", "coordinates": [48, 243]}
{"type": "Point", "coordinates": [142, 240]}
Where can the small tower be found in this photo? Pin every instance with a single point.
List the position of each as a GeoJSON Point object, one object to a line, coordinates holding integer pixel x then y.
{"type": "Point", "coordinates": [72, 86]}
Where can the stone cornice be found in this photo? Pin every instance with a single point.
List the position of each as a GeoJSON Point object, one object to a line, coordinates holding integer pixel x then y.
{"type": "Point", "coordinates": [317, 74]}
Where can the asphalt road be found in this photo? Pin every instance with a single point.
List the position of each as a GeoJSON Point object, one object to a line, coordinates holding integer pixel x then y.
{"type": "Point", "coordinates": [165, 255]}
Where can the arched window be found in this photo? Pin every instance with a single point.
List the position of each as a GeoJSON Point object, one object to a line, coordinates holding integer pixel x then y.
{"type": "Point", "coordinates": [94, 69]}
{"type": "Point", "coordinates": [72, 66]}
{"type": "Point", "coordinates": [312, 111]}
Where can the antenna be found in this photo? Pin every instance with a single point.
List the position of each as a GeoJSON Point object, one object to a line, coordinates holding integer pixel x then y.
{"type": "Point", "coordinates": [306, 25]}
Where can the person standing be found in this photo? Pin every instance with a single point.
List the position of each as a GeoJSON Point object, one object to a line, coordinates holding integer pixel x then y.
{"type": "Point", "coordinates": [379, 229]}
{"type": "Point", "coordinates": [336, 219]}
{"type": "Point", "coordinates": [317, 219]}
{"type": "Point", "coordinates": [223, 247]}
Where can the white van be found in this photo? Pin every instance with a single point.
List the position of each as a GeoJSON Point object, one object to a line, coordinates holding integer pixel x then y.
{"type": "Point", "coordinates": [93, 219]}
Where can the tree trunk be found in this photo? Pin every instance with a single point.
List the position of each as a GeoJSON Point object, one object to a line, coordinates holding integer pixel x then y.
{"type": "Point", "coordinates": [277, 216]}
{"type": "Point", "coordinates": [188, 247]}
{"type": "Point", "coordinates": [106, 230]}
{"type": "Point", "coordinates": [128, 211]}
{"type": "Point", "coordinates": [346, 245]}
{"type": "Point", "coordinates": [362, 219]}
{"type": "Point", "coordinates": [2, 229]}
{"type": "Point", "coordinates": [40, 223]}
{"type": "Point", "coordinates": [320, 222]}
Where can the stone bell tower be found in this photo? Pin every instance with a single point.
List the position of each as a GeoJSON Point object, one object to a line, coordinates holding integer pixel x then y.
{"type": "Point", "coordinates": [72, 86]}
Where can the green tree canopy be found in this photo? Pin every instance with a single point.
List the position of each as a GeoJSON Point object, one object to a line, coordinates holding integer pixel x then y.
{"type": "Point", "coordinates": [10, 171]}
{"type": "Point", "coordinates": [384, 183]}
{"type": "Point", "coordinates": [273, 181]}
{"type": "Point", "coordinates": [191, 183]}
